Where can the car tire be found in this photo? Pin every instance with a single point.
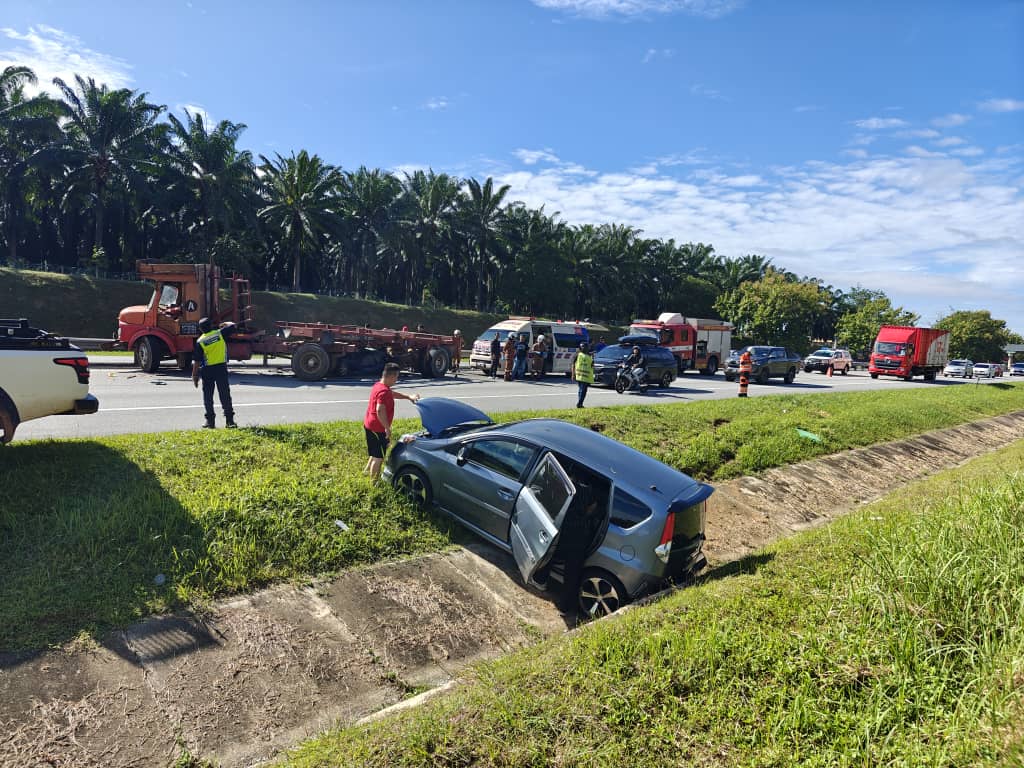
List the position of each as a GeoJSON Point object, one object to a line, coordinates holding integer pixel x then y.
{"type": "Point", "coordinates": [311, 362]}
{"type": "Point", "coordinates": [147, 354]}
{"type": "Point", "coordinates": [874, 375]}
{"type": "Point", "coordinates": [666, 380]}
{"type": "Point", "coordinates": [600, 593]}
{"type": "Point", "coordinates": [729, 377]}
{"type": "Point", "coordinates": [845, 370]}
{"type": "Point", "coordinates": [762, 376]}
{"type": "Point", "coordinates": [790, 376]}
{"type": "Point", "coordinates": [7, 426]}
{"type": "Point", "coordinates": [807, 369]}
{"type": "Point", "coordinates": [414, 485]}
{"type": "Point", "coordinates": [712, 368]}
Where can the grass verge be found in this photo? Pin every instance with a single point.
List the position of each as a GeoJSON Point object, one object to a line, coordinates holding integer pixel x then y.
{"type": "Point", "coordinates": [891, 637]}
{"type": "Point", "coordinates": [98, 533]}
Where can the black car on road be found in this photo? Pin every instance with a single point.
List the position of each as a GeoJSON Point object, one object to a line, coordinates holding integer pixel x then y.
{"type": "Point", "coordinates": [661, 363]}
{"type": "Point", "coordinates": [766, 362]}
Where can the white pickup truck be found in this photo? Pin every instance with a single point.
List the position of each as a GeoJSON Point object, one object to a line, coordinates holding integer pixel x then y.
{"type": "Point", "coordinates": [40, 375]}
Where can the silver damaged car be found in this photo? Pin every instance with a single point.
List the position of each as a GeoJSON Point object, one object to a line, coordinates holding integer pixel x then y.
{"type": "Point", "coordinates": [512, 484]}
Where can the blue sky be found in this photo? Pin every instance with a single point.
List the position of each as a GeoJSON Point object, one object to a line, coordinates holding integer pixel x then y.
{"type": "Point", "coordinates": [870, 143]}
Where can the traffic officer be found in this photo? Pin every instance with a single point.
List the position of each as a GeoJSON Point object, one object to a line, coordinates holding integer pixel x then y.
{"type": "Point", "coordinates": [583, 372]}
{"type": "Point", "coordinates": [210, 360]}
{"type": "Point", "coordinates": [746, 365]}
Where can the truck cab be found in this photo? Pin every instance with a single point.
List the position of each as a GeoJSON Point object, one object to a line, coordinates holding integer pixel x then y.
{"type": "Point", "coordinates": [168, 325]}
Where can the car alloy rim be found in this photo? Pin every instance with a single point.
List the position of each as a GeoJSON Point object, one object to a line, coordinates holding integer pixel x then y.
{"type": "Point", "coordinates": [412, 487]}
{"type": "Point", "coordinates": [598, 597]}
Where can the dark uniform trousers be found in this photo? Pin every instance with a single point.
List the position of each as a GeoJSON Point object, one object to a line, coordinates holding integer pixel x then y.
{"type": "Point", "coordinates": [216, 376]}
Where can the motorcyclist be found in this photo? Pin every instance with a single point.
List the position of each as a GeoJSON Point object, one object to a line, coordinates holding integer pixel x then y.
{"type": "Point", "coordinates": [636, 364]}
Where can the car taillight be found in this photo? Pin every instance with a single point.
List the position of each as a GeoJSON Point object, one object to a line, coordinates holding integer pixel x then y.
{"type": "Point", "coordinates": [664, 549]}
{"type": "Point", "coordinates": [80, 364]}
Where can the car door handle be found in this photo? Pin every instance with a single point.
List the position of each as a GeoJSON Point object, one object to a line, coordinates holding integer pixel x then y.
{"type": "Point", "coordinates": [543, 536]}
{"type": "Point", "coordinates": [506, 494]}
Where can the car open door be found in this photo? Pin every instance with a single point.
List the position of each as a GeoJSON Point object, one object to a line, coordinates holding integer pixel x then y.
{"type": "Point", "coordinates": [540, 510]}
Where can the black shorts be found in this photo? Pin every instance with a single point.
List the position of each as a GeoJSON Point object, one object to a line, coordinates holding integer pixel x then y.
{"type": "Point", "coordinates": [376, 443]}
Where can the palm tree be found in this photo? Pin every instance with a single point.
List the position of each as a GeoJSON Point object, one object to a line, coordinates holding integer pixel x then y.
{"type": "Point", "coordinates": [482, 212]}
{"type": "Point", "coordinates": [428, 223]}
{"type": "Point", "coordinates": [370, 202]}
{"type": "Point", "coordinates": [218, 176]}
{"type": "Point", "coordinates": [26, 125]}
{"type": "Point", "coordinates": [302, 205]}
{"type": "Point", "coordinates": [111, 138]}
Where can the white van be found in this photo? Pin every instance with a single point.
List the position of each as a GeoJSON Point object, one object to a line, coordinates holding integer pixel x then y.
{"type": "Point", "coordinates": [563, 340]}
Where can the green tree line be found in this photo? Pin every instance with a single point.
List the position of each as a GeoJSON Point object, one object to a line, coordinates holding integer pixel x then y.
{"type": "Point", "coordinates": [101, 177]}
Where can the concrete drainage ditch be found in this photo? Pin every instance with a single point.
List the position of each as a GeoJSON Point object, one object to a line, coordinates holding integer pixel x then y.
{"type": "Point", "coordinates": [261, 672]}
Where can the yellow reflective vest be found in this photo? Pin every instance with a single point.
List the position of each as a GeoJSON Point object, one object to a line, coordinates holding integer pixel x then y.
{"type": "Point", "coordinates": [584, 368]}
{"type": "Point", "coordinates": [215, 349]}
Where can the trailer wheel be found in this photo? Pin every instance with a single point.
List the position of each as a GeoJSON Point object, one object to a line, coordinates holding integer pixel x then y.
{"type": "Point", "coordinates": [438, 362]}
{"type": "Point", "coordinates": [147, 354]}
{"type": "Point", "coordinates": [311, 362]}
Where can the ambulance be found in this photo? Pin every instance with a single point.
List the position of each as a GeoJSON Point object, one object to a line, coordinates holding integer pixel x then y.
{"type": "Point", "coordinates": [563, 340]}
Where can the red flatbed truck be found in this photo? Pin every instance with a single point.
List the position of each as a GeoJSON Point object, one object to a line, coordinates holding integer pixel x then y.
{"type": "Point", "coordinates": [167, 327]}
{"type": "Point", "coordinates": [906, 352]}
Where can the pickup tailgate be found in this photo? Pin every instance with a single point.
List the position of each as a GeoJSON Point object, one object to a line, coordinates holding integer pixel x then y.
{"type": "Point", "coordinates": [45, 382]}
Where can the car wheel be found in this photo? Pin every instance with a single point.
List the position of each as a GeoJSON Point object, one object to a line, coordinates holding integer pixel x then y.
{"type": "Point", "coordinates": [790, 375]}
{"type": "Point", "coordinates": [600, 593]}
{"type": "Point", "coordinates": [666, 380]}
{"type": "Point", "coordinates": [729, 377]}
{"type": "Point", "coordinates": [762, 376]}
{"type": "Point", "coordinates": [413, 484]}
{"type": "Point", "coordinates": [7, 426]}
{"type": "Point", "coordinates": [847, 368]}
{"type": "Point", "coordinates": [807, 369]}
{"type": "Point", "coordinates": [874, 375]}
{"type": "Point", "coordinates": [712, 368]}
{"type": "Point", "coordinates": [147, 354]}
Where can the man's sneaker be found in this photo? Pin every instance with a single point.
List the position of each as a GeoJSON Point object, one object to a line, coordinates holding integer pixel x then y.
{"type": "Point", "coordinates": [231, 424]}
{"type": "Point", "coordinates": [209, 425]}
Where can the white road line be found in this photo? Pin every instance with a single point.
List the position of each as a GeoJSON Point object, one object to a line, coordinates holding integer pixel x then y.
{"type": "Point", "coordinates": [330, 402]}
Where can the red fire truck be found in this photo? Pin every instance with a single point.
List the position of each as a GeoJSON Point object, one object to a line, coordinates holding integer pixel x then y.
{"type": "Point", "coordinates": [166, 328]}
{"type": "Point", "coordinates": [697, 343]}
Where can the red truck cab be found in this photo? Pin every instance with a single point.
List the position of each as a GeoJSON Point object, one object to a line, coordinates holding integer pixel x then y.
{"type": "Point", "coordinates": [906, 351]}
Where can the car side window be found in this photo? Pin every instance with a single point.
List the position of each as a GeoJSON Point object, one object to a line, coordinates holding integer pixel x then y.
{"type": "Point", "coordinates": [506, 457]}
{"type": "Point", "coordinates": [628, 511]}
{"type": "Point", "coordinates": [551, 488]}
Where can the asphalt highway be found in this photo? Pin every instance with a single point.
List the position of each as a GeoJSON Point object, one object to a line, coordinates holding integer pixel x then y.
{"type": "Point", "coordinates": [134, 402]}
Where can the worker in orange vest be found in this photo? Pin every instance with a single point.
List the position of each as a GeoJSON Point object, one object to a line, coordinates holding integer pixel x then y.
{"type": "Point", "coordinates": [746, 365]}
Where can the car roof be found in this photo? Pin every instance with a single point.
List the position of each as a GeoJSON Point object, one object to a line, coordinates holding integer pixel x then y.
{"type": "Point", "coordinates": [610, 457]}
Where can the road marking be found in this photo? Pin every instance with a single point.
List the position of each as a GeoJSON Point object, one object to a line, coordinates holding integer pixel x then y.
{"type": "Point", "coordinates": [335, 402]}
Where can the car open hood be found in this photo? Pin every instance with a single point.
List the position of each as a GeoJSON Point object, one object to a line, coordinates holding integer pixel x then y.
{"type": "Point", "coordinates": [440, 413]}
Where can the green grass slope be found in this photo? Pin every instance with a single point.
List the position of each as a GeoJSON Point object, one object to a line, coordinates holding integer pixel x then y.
{"type": "Point", "coordinates": [893, 637]}
{"type": "Point", "coordinates": [88, 307]}
{"type": "Point", "coordinates": [88, 526]}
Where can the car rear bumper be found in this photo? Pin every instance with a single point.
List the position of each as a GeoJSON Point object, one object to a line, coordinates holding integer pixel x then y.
{"type": "Point", "coordinates": [88, 404]}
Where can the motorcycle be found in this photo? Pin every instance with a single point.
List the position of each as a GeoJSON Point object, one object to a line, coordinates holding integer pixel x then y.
{"type": "Point", "coordinates": [626, 380]}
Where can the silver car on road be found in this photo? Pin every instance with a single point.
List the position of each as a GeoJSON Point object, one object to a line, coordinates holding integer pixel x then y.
{"type": "Point", "coordinates": [513, 484]}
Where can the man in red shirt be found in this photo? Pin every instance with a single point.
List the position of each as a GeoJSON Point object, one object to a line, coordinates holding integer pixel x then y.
{"type": "Point", "coordinates": [380, 412]}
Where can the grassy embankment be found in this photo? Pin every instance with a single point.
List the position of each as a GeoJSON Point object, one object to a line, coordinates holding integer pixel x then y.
{"type": "Point", "coordinates": [96, 533]}
{"type": "Point", "coordinates": [892, 637]}
{"type": "Point", "coordinates": [88, 307]}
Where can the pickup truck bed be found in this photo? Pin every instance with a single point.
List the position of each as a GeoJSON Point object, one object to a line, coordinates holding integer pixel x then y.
{"type": "Point", "coordinates": [40, 375]}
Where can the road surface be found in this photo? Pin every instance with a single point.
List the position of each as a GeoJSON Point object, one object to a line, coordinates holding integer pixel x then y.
{"type": "Point", "coordinates": [133, 402]}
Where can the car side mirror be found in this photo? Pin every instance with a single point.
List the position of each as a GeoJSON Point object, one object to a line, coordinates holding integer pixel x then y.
{"type": "Point", "coordinates": [462, 456]}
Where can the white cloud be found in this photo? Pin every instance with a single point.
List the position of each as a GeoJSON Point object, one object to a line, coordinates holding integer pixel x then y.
{"type": "Point", "coordinates": [51, 53]}
{"type": "Point", "coordinates": [656, 53]}
{"type": "Point", "coordinates": [807, 108]}
{"type": "Point", "coordinates": [437, 104]}
{"type": "Point", "coordinates": [918, 133]}
{"type": "Point", "coordinates": [1001, 105]}
{"type": "Point", "coordinates": [534, 156]}
{"type": "Point", "coordinates": [933, 232]}
{"type": "Point", "coordinates": [968, 152]}
{"type": "Point", "coordinates": [599, 9]}
{"type": "Point", "coordinates": [879, 123]}
{"type": "Point", "coordinates": [949, 141]}
{"type": "Point", "coordinates": [699, 89]}
{"type": "Point", "coordinates": [916, 151]}
{"type": "Point", "coordinates": [951, 120]}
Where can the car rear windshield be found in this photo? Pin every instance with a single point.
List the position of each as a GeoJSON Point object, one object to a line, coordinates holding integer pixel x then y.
{"type": "Point", "coordinates": [614, 353]}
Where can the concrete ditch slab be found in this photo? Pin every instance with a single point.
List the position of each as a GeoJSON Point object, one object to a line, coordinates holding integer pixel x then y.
{"type": "Point", "coordinates": [239, 683]}
{"type": "Point", "coordinates": [84, 706]}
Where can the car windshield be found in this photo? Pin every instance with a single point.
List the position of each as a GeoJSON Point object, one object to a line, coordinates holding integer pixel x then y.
{"type": "Point", "coordinates": [614, 353]}
{"type": "Point", "coordinates": [822, 353]}
{"type": "Point", "coordinates": [760, 351]}
{"type": "Point", "coordinates": [890, 348]}
{"type": "Point", "coordinates": [638, 330]}
{"type": "Point", "coordinates": [958, 362]}
{"type": "Point", "coordinates": [490, 333]}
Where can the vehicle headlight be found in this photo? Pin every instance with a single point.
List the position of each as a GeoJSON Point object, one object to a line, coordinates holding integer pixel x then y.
{"type": "Point", "coordinates": [407, 438]}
